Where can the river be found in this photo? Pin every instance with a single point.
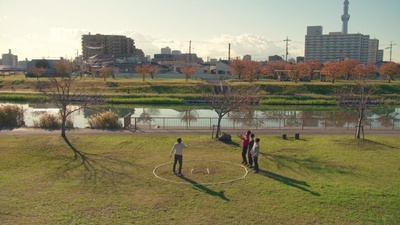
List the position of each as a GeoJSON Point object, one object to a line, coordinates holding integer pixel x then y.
{"type": "Point", "coordinates": [201, 116]}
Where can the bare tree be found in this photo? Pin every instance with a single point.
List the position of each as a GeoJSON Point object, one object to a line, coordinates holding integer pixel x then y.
{"type": "Point", "coordinates": [37, 71]}
{"type": "Point", "coordinates": [224, 98]}
{"type": "Point", "coordinates": [357, 97]}
{"type": "Point", "coordinates": [64, 89]}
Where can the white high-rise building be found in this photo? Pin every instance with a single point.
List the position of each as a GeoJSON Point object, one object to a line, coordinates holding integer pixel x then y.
{"type": "Point", "coordinates": [335, 46]}
{"type": "Point", "coordinates": [340, 45]}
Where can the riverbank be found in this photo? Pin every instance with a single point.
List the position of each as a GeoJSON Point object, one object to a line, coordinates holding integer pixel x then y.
{"type": "Point", "coordinates": [179, 91]}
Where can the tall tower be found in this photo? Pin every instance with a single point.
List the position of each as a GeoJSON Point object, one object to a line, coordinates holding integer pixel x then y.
{"type": "Point", "coordinates": [345, 16]}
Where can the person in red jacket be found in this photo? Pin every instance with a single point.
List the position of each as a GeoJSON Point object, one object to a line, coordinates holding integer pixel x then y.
{"type": "Point", "coordinates": [245, 144]}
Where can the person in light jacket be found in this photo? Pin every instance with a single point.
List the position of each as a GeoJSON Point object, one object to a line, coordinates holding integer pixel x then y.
{"type": "Point", "coordinates": [255, 151]}
{"type": "Point", "coordinates": [178, 149]}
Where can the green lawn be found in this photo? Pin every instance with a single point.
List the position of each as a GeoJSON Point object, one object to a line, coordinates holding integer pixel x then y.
{"type": "Point", "coordinates": [314, 180]}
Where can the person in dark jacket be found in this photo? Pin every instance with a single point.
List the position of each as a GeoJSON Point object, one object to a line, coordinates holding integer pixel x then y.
{"type": "Point", "coordinates": [251, 143]}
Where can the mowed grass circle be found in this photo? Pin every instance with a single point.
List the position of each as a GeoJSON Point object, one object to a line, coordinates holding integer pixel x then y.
{"type": "Point", "coordinates": [202, 172]}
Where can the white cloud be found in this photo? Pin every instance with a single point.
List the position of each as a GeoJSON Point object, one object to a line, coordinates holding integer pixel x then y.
{"type": "Point", "coordinates": [216, 47]}
{"type": "Point", "coordinates": [65, 35]}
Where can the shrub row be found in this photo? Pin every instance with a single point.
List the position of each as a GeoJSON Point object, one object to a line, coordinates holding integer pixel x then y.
{"type": "Point", "coordinates": [12, 116]}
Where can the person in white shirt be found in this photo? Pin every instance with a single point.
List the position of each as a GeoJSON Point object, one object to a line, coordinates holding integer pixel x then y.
{"type": "Point", "coordinates": [178, 149]}
{"type": "Point", "coordinates": [255, 151]}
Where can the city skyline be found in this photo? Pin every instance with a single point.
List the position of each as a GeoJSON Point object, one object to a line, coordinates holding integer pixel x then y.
{"type": "Point", "coordinates": [37, 29]}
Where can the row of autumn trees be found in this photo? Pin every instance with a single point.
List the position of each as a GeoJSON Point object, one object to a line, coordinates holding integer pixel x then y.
{"type": "Point", "coordinates": [252, 70]}
{"type": "Point", "coordinates": [347, 69]}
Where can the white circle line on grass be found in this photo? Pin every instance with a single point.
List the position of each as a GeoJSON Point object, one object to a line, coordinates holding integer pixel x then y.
{"type": "Point", "coordinates": [198, 160]}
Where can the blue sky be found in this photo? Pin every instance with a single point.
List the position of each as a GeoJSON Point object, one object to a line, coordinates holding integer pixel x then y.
{"type": "Point", "coordinates": [53, 28]}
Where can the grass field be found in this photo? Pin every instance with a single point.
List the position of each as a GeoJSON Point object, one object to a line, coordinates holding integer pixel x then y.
{"type": "Point", "coordinates": [314, 180]}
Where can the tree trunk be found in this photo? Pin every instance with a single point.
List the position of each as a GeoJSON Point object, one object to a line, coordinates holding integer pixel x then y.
{"type": "Point", "coordinates": [63, 122]}
{"type": "Point", "coordinates": [218, 126]}
{"type": "Point", "coordinates": [359, 124]}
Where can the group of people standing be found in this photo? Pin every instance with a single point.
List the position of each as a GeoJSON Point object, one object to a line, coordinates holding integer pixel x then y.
{"type": "Point", "coordinates": [250, 150]}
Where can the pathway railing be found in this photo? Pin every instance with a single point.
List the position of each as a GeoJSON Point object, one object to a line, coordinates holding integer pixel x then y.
{"type": "Point", "coordinates": [207, 123]}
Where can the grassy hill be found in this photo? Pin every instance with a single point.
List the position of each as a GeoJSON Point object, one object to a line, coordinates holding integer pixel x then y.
{"type": "Point", "coordinates": [176, 91]}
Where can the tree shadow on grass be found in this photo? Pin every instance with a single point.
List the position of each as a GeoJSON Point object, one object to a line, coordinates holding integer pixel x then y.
{"type": "Point", "coordinates": [99, 167]}
{"type": "Point", "coordinates": [203, 188]}
{"type": "Point", "coordinates": [302, 185]}
{"type": "Point", "coordinates": [379, 144]}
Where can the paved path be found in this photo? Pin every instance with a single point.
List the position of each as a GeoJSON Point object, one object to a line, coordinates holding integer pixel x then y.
{"type": "Point", "coordinates": [290, 132]}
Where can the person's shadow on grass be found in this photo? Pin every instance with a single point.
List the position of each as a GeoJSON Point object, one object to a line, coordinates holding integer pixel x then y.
{"type": "Point", "coordinates": [205, 189]}
{"type": "Point", "coordinates": [302, 185]}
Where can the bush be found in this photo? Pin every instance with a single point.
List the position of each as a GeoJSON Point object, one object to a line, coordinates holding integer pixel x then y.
{"type": "Point", "coordinates": [105, 120]}
{"type": "Point", "coordinates": [51, 121]}
{"type": "Point", "coordinates": [11, 116]}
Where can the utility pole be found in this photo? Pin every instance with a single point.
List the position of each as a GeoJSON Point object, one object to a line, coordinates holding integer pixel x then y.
{"type": "Point", "coordinates": [229, 52]}
{"type": "Point", "coordinates": [391, 46]}
{"type": "Point", "coordinates": [190, 51]}
{"type": "Point", "coordinates": [287, 44]}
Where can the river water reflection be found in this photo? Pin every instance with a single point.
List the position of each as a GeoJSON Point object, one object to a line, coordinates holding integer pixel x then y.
{"type": "Point", "coordinates": [194, 116]}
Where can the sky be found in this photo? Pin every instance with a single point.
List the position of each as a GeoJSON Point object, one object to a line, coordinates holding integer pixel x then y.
{"type": "Point", "coordinates": [35, 29]}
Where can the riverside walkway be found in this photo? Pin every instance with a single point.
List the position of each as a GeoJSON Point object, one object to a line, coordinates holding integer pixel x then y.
{"type": "Point", "coordinates": [27, 131]}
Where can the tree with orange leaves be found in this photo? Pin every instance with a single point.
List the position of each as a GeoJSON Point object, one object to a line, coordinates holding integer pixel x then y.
{"type": "Point", "coordinates": [390, 69]}
{"type": "Point", "coordinates": [188, 70]}
{"type": "Point", "coordinates": [348, 67]}
{"type": "Point", "coordinates": [363, 71]}
{"type": "Point", "coordinates": [297, 71]}
{"type": "Point", "coordinates": [105, 72]}
{"type": "Point", "coordinates": [252, 69]}
{"type": "Point", "coordinates": [237, 67]}
{"type": "Point", "coordinates": [274, 66]}
{"type": "Point", "coordinates": [332, 70]}
{"type": "Point", "coordinates": [145, 70]}
{"type": "Point", "coordinates": [314, 65]}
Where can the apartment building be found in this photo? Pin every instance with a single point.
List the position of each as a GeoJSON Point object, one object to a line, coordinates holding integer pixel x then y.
{"type": "Point", "coordinates": [116, 45]}
{"type": "Point", "coordinates": [9, 59]}
{"type": "Point", "coordinates": [335, 46]}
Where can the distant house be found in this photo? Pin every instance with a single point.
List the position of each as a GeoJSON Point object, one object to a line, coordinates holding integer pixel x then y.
{"type": "Point", "coordinates": [222, 67]}
{"type": "Point", "coordinates": [49, 64]}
